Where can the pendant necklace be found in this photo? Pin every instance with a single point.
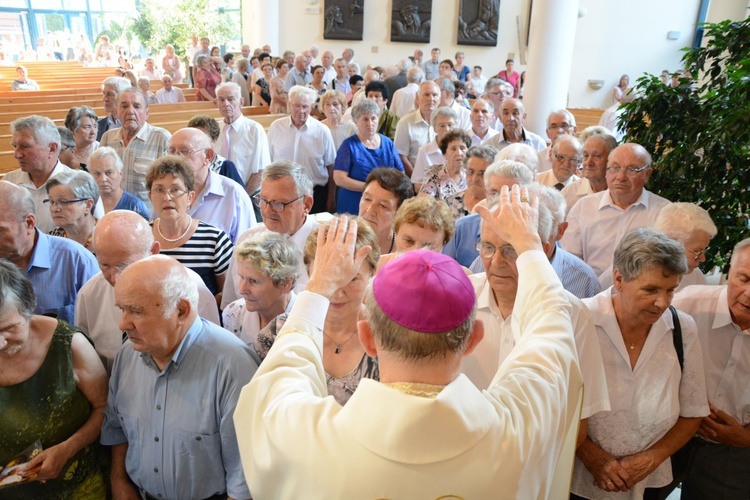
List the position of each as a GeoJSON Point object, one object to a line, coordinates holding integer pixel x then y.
{"type": "Point", "coordinates": [339, 346]}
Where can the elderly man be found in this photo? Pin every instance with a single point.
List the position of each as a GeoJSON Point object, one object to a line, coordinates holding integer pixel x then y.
{"type": "Point", "coordinates": [576, 276]}
{"type": "Point", "coordinates": [421, 393]}
{"type": "Point", "coordinates": [308, 142]}
{"type": "Point", "coordinates": [402, 101]}
{"type": "Point", "coordinates": [497, 91]}
{"type": "Point", "coordinates": [596, 151]}
{"type": "Point", "coordinates": [36, 147]}
{"type": "Point", "coordinates": [719, 463]}
{"type": "Point", "coordinates": [242, 141]}
{"type": "Point", "coordinates": [481, 116]}
{"type": "Point", "coordinates": [341, 81]}
{"type": "Point", "coordinates": [285, 200]}
{"type": "Point", "coordinates": [496, 291]}
{"type": "Point", "coordinates": [218, 200]}
{"type": "Point", "coordinates": [448, 98]}
{"type": "Point", "coordinates": [204, 50]}
{"type": "Point", "coordinates": [111, 88]}
{"type": "Point", "coordinates": [432, 67]}
{"type": "Point", "coordinates": [597, 222]}
{"type": "Point", "coordinates": [245, 51]}
{"type": "Point", "coordinates": [168, 94]}
{"type": "Point", "coordinates": [559, 122]}
{"type": "Point", "coordinates": [348, 56]}
{"type": "Point", "coordinates": [512, 115]}
{"type": "Point", "coordinates": [173, 391]}
{"type": "Point", "coordinates": [414, 130]}
{"type": "Point", "coordinates": [378, 92]}
{"type": "Point", "coordinates": [417, 57]}
{"type": "Point", "coordinates": [566, 158]}
{"type": "Point", "coordinates": [299, 74]}
{"type": "Point", "coordinates": [399, 80]}
{"type": "Point", "coordinates": [121, 237]}
{"type": "Point", "coordinates": [57, 267]}
{"type": "Point", "coordinates": [137, 142]}
{"type": "Point", "coordinates": [326, 60]}
{"type": "Point", "coordinates": [150, 71]}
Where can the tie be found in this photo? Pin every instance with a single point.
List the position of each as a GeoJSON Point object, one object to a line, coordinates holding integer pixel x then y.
{"type": "Point", "coordinates": [225, 149]}
{"type": "Point", "coordinates": [559, 186]}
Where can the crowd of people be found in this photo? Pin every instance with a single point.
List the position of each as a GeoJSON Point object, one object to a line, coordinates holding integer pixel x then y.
{"type": "Point", "coordinates": [400, 242]}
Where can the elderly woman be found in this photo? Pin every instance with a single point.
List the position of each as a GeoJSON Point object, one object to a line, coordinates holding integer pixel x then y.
{"type": "Point", "coordinates": [654, 371]}
{"type": "Point", "coordinates": [201, 247]}
{"type": "Point", "coordinates": [83, 123]}
{"type": "Point", "coordinates": [207, 78]}
{"type": "Point", "coordinates": [262, 89]}
{"type": "Point", "coordinates": [333, 105]}
{"type": "Point", "coordinates": [106, 169]}
{"type": "Point", "coordinates": [360, 154]}
{"type": "Point", "coordinates": [267, 269]}
{"type": "Point", "coordinates": [71, 199]}
{"type": "Point", "coordinates": [385, 190]}
{"type": "Point", "coordinates": [461, 72]}
{"type": "Point", "coordinates": [443, 120]}
{"type": "Point", "coordinates": [344, 360]}
{"type": "Point", "coordinates": [170, 63]}
{"type": "Point", "coordinates": [692, 226]}
{"type": "Point", "coordinates": [478, 158]}
{"type": "Point", "coordinates": [420, 223]}
{"type": "Point", "coordinates": [145, 85]}
{"type": "Point", "coordinates": [278, 96]}
{"type": "Point", "coordinates": [442, 181]}
{"type": "Point", "coordinates": [240, 78]}
{"type": "Point", "coordinates": [53, 388]}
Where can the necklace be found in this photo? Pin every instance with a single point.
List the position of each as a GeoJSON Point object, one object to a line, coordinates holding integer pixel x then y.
{"type": "Point", "coordinates": [393, 240]}
{"type": "Point", "coordinates": [81, 155]}
{"type": "Point", "coordinates": [187, 230]}
{"type": "Point", "coordinates": [339, 345]}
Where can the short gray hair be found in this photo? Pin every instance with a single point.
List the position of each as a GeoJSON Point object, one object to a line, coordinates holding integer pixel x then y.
{"type": "Point", "coordinates": [738, 248]}
{"type": "Point", "coordinates": [17, 200]}
{"type": "Point", "coordinates": [16, 290]}
{"type": "Point", "coordinates": [443, 111]}
{"type": "Point", "coordinates": [404, 64]}
{"type": "Point", "coordinates": [509, 169]}
{"type": "Point", "coordinates": [646, 248]}
{"type": "Point", "coordinates": [66, 138]}
{"type": "Point", "coordinates": [609, 140]}
{"type": "Point", "coordinates": [415, 75]}
{"type": "Point", "coordinates": [596, 130]}
{"type": "Point", "coordinates": [273, 254]}
{"type": "Point", "coordinates": [445, 84]}
{"type": "Point", "coordinates": [177, 285]}
{"type": "Point", "coordinates": [199, 60]}
{"type": "Point", "coordinates": [236, 91]}
{"type": "Point", "coordinates": [492, 82]}
{"type": "Point", "coordinates": [522, 153]}
{"type": "Point", "coordinates": [105, 152]}
{"type": "Point", "coordinates": [554, 201]}
{"type": "Point", "coordinates": [483, 152]}
{"type": "Point", "coordinates": [118, 82]}
{"type": "Point", "coordinates": [134, 90]}
{"type": "Point", "coordinates": [680, 220]}
{"type": "Point", "coordinates": [365, 107]}
{"type": "Point", "coordinates": [562, 111]}
{"type": "Point", "coordinates": [488, 103]}
{"type": "Point", "coordinates": [298, 173]}
{"type": "Point", "coordinates": [81, 184]}
{"type": "Point", "coordinates": [44, 130]}
{"type": "Point", "coordinates": [74, 116]}
{"type": "Point", "coordinates": [300, 92]}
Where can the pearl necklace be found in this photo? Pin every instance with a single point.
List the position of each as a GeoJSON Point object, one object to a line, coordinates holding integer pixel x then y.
{"type": "Point", "coordinates": [187, 230]}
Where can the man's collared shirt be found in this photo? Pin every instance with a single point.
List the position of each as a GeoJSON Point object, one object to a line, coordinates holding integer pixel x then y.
{"type": "Point", "coordinates": [310, 145]}
{"type": "Point", "coordinates": [148, 144]}
{"type": "Point", "coordinates": [39, 194]}
{"type": "Point", "coordinates": [549, 178]}
{"type": "Point", "coordinates": [427, 156]}
{"type": "Point", "coordinates": [478, 141]}
{"type": "Point", "coordinates": [172, 96]}
{"type": "Point", "coordinates": [431, 70]}
{"type": "Point", "coordinates": [596, 225]}
{"type": "Point", "coordinates": [402, 101]}
{"type": "Point", "coordinates": [59, 267]}
{"type": "Point", "coordinates": [296, 77]}
{"type": "Point", "coordinates": [412, 132]}
{"type": "Point", "coordinates": [225, 204]}
{"type": "Point", "coordinates": [177, 422]}
{"type": "Point", "coordinates": [462, 246]}
{"type": "Point", "coordinates": [464, 116]}
{"type": "Point", "coordinates": [575, 191]}
{"type": "Point", "coordinates": [529, 138]}
{"type": "Point", "coordinates": [105, 124]}
{"type": "Point", "coordinates": [248, 146]}
{"type": "Point", "coordinates": [726, 348]}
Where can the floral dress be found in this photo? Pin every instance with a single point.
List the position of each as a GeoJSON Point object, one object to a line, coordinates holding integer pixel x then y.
{"type": "Point", "coordinates": [438, 184]}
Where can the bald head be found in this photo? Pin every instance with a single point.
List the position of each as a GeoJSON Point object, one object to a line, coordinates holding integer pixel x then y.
{"type": "Point", "coordinates": [371, 75]}
{"type": "Point", "coordinates": [165, 279]}
{"type": "Point", "coordinates": [189, 135]}
{"type": "Point", "coordinates": [121, 238]}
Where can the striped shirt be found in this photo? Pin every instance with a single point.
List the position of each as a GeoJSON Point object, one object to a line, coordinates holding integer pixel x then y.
{"type": "Point", "coordinates": [207, 252]}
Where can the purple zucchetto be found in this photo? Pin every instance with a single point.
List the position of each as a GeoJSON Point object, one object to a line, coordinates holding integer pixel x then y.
{"type": "Point", "coordinates": [424, 291]}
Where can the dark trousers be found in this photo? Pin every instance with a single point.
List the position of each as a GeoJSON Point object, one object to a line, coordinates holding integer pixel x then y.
{"type": "Point", "coordinates": [717, 471]}
{"type": "Point", "coordinates": [648, 494]}
{"type": "Point", "coordinates": [320, 199]}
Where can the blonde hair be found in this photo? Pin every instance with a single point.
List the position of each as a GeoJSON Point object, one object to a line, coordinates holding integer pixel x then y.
{"type": "Point", "coordinates": [426, 212]}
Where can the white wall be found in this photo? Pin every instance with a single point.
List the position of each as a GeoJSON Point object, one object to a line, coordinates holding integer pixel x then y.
{"type": "Point", "coordinates": [614, 37]}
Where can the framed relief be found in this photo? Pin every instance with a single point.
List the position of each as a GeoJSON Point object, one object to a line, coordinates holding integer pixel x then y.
{"type": "Point", "coordinates": [478, 21]}
{"type": "Point", "coordinates": [343, 19]}
{"type": "Point", "coordinates": [411, 21]}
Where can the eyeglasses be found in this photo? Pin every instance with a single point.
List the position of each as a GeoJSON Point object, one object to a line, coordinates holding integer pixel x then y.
{"type": "Point", "coordinates": [564, 126]}
{"type": "Point", "coordinates": [173, 192]}
{"type": "Point", "coordinates": [569, 160]}
{"type": "Point", "coordinates": [487, 251]}
{"type": "Point", "coordinates": [276, 206]}
{"type": "Point", "coordinates": [629, 171]}
{"type": "Point", "coordinates": [183, 152]}
{"type": "Point", "coordinates": [63, 203]}
{"type": "Point", "coordinates": [698, 255]}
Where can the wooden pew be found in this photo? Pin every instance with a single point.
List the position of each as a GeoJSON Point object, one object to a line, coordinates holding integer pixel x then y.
{"type": "Point", "coordinates": [586, 117]}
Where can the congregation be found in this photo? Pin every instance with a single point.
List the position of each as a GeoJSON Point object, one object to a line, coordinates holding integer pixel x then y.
{"type": "Point", "coordinates": [395, 289]}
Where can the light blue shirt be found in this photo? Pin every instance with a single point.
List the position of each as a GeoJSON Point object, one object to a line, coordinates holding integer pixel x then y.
{"type": "Point", "coordinates": [462, 246]}
{"type": "Point", "coordinates": [225, 204]}
{"type": "Point", "coordinates": [177, 422]}
{"type": "Point", "coordinates": [296, 77]}
{"type": "Point", "coordinates": [431, 69]}
{"type": "Point", "coordinates": [529, 138]}
{"type": "Point", "coordinates": [59, 267]}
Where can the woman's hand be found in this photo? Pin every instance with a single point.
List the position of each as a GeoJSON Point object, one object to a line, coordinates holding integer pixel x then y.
{"type": "Point", "coordinates": [639, 465]}
{"type": "Point", "coordinates": [50, 462]}
{"type": "Point", "coordinates": [609, 474]}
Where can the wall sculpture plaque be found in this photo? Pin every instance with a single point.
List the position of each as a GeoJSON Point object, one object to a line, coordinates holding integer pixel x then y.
{"type": "Point", "coordinates": [411, 21]}
{"type": "Point", "coordinates": [343, 19]}
{"type": "Point", "coordinates": [478, 21]}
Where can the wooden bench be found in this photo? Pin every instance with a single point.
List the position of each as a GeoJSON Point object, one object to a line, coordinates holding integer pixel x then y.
{"type": "Point", "coordinates": [586, 117]}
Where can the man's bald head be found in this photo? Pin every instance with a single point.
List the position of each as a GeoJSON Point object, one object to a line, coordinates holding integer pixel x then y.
{"type": "Point", "coordinates": [121, 238]}
{"type": "Point", "coordinates": [165, 278]}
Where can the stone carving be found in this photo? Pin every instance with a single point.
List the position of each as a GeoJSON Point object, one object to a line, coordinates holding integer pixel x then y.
{"type": "Point", "coordinates": [478, 21]}
{"type": "Point", "coordinates": [343, 19]}
{"type": "Point", "coordinates": [410, 21]}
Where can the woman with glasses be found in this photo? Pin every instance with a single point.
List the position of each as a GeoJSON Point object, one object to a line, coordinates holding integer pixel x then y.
{"type": "Point", "coordinates": [106, 166]}
{"type": "Point", "coordinates": [71, 200]}
{"type": "Point", "coordinates": [201, 247]}
{"type": "Point", "coordinates": [442, 181]}
{"type": "Point", "coordinates": [82, 122]}
{"type": "Point", "coordinates": [476, 162]}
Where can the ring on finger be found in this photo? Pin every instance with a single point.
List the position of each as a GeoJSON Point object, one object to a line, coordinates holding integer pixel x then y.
{"type": "Point", "coordinates": [524, 200]}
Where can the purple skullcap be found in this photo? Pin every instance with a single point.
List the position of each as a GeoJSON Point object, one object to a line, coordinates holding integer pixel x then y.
{"type": "Point", "coordinates": [424, 291]}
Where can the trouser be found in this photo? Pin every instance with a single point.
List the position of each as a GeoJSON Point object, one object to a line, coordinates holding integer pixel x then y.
{"type": "Point", "coordinates": [146, 496]}
{"type": "Point", "coordinates": [320, 198]}
{"type": "Point", "coordinates": [190, 73]}
{"type": "Point", "coordinates": [717, 471]}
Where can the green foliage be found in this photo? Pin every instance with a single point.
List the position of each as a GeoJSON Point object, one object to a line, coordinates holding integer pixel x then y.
{"type": "Point", "coordinates": [156, 25]}
{"type": "Point", "coordinates": [699, 133]}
